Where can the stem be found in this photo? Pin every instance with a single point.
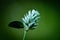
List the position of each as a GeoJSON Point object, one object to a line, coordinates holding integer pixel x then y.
{"type": "Point", "coordinates": [24, 34]}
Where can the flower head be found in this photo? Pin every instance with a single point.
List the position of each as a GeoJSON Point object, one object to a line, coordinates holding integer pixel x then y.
{"type": "Point", "coordinates": [30, 20]}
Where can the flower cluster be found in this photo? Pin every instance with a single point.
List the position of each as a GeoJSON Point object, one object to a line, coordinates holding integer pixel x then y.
{"type": "Point", "coordinates": [30, 20]}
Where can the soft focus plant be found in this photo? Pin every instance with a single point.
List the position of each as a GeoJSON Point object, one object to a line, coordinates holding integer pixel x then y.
{"type": "Point", "coordinates": [30, 21]}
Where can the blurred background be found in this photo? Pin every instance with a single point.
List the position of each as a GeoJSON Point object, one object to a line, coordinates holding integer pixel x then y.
{"type": "Point", "coordinates": [14, 10]}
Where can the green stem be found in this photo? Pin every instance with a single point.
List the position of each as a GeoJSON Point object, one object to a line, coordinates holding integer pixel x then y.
{"type": "Point", "coordinates": [24, 34]}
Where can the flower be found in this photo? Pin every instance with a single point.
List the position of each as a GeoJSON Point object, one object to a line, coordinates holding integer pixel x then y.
{"type": "Point", "coordinates": [30, 20]}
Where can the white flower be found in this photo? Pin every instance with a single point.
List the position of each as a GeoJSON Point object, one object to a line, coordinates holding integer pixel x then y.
{"type": "Point", "coordinates": [30, 20]}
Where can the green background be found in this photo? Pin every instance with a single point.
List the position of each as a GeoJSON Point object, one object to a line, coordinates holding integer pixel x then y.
{"type": "Point", "coordinates": [14, 10]}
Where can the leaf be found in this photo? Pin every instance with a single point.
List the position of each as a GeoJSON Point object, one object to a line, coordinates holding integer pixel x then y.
{"type": "Point", "coordinates": [16, 24]}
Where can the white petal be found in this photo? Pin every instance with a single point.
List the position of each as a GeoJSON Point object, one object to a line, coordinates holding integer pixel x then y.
{"type": "Point", "coordinates": [23, 20]}
{"type": "Point", "coordinates": [29, 13]}
{"type": "Point", "coordinates": [33, 12]}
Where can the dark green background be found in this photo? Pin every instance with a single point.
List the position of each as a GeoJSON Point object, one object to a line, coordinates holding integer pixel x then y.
{"type": "Point", "coordinates": [14, 10]}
